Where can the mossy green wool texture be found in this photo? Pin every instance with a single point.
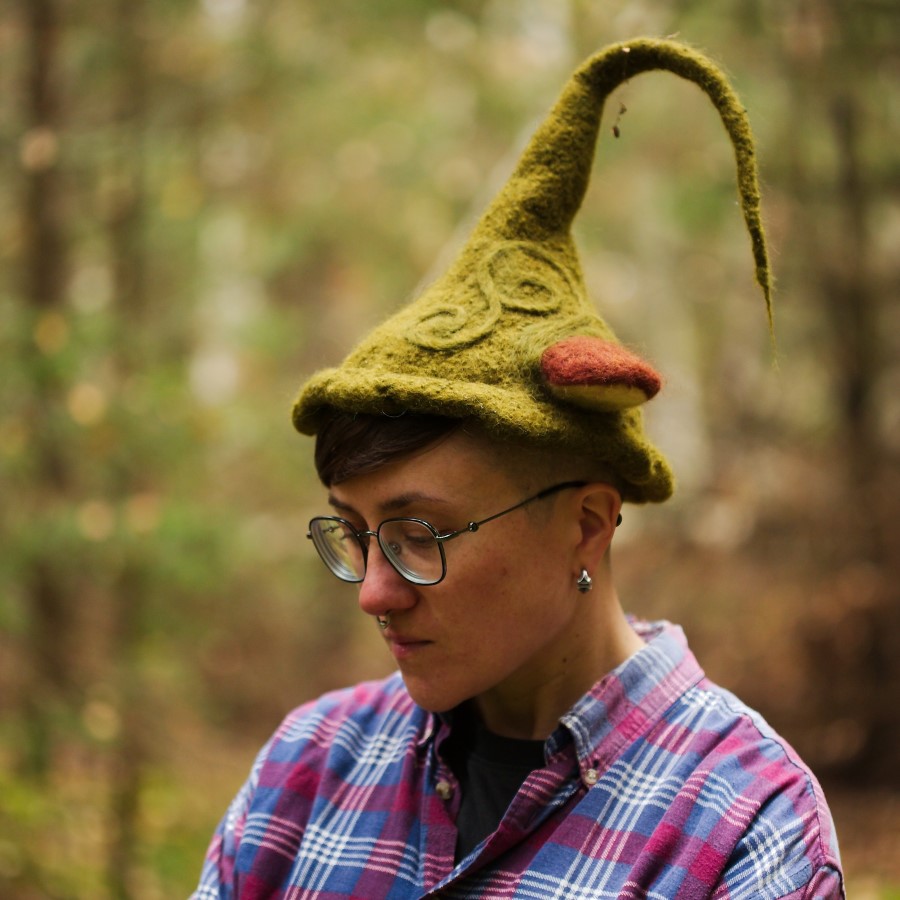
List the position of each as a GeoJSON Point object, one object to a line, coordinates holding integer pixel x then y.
{"type": "Point", "coordinates": [492, 339]}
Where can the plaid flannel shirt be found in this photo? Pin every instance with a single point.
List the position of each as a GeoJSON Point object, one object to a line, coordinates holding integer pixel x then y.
{"type": "Point", "coordinates": [657, 784]}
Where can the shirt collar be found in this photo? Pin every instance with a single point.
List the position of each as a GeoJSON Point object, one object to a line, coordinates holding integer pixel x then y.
{"type": "Point", "coordinates": [629, 700]}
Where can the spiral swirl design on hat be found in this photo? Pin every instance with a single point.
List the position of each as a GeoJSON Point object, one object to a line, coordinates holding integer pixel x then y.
{"type": "Point", "coordinates": [515, 275]}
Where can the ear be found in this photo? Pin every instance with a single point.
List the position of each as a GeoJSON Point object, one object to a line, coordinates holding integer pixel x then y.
{"type": "Point", "coordinates": [598, 516]}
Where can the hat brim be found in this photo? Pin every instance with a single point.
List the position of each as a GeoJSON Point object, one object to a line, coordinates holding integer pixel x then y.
{"type": "Point", "coordinates": [506, 412]}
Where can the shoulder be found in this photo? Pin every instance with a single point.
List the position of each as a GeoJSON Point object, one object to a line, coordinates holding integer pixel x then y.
{"type": "Point", "coordinates": [730, 737]}
{"type": "Point", "coordinates": [734, 796]}
{"type": "Point", "coordinates": [320, 752]}
{"type": "Point", "coordinates": [761, 792]}
{"type": "Point", "coordinates": [342, 737]}
{"type": "Point", "coordinates": [345, 720]}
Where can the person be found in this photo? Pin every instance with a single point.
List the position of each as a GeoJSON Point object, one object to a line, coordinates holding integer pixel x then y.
{"type": "Point", "coordinates": [535, 741]}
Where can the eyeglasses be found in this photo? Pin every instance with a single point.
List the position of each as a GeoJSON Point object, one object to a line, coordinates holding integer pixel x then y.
{"type": "Point", "coordinates": [414, 547]}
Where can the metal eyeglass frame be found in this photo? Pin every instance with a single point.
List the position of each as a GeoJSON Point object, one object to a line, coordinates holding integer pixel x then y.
{"type": "Point", "coordinates": [440, 539]}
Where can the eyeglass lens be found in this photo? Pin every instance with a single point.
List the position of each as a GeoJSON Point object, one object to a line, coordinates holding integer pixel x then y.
{"type": "Point", "coordinates": [409, 545]}
{"type": "Point", "coordinates": [341, 550]}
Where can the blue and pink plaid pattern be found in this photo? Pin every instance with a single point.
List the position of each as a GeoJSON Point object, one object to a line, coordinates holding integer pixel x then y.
{"type": "Point", "coordinates": [657, 784]}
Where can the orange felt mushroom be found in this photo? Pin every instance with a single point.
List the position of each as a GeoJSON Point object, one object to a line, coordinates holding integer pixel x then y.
{"type": "Point", "coordinates": [597, 374]}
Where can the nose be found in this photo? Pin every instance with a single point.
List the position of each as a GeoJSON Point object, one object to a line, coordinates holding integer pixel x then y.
{"type": "Point", "coordinates": [384, 589]}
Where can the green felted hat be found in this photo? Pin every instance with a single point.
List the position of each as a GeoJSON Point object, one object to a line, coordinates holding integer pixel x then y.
{"type": "Point", "coordinates": [507, 336]}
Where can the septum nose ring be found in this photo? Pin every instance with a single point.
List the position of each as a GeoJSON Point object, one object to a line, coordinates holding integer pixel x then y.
{"type": "Point", "coordinates": [383, 621]}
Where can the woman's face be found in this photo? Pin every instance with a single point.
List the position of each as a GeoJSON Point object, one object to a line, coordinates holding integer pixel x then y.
{"type": "Point", "coordinates": [506, 619]}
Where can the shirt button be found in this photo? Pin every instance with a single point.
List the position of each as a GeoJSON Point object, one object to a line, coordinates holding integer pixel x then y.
{"type": "Point", "coordinates": [590, 777]}
{"type": "Point", "coordinates": [444, 790]}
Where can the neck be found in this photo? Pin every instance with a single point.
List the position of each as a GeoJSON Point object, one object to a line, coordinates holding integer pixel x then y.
{"type": "Point", "coordinates": [530, 704]}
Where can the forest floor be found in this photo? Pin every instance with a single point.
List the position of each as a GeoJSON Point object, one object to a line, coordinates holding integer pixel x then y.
{"type": "Point", "coordinates": [868, 827]}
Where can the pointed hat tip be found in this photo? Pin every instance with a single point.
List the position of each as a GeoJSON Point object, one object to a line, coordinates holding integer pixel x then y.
{"type": "Point", "coordinates": [545, 191]}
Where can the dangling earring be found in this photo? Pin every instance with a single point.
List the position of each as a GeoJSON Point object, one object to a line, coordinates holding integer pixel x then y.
{"type": "Point", "coordinates": [585, 583]}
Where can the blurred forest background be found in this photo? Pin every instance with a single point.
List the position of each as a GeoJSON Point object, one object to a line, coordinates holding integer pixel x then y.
{"type": "Point", "coordinates": [204, 200]}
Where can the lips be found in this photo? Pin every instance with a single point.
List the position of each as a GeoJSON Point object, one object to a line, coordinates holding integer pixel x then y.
{"type": "Point", "coordinates": [404, 648]}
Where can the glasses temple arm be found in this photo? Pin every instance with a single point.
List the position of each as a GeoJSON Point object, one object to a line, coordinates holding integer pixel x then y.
{"type": "Point", "coordinates": [474, 526]}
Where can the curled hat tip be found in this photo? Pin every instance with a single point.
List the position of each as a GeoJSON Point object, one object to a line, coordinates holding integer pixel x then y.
{"type": "Point", "coordinates": [542, 196]}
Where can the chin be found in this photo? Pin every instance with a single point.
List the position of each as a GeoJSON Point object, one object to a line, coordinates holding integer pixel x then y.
{"type": "Point", "coordinates": [431, 696]}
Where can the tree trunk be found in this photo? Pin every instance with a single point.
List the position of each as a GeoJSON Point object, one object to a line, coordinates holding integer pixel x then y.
{"type": "Point", "coordinates": [126, 238]}
{"type": "Point", "coordinates": [48, 597]}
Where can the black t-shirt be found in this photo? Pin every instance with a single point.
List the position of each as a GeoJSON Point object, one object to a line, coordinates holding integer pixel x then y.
{"type": "Point", "coordinates": [490, 770]}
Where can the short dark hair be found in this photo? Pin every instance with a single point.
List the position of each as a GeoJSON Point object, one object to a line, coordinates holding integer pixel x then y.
{"type": "Point", "coordinates": [351, 444]}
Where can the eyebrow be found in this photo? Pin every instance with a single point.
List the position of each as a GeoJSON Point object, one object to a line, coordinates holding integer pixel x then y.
{"type": "Point", "coordinates": [395, 504]}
